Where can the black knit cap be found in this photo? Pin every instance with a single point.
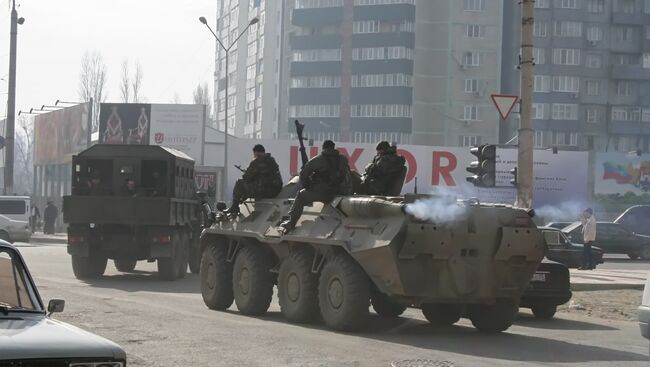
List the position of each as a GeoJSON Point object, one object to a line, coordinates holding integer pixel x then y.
{"type": "Point", "coordinates": [383, 145]}
{"type": "Point", "coordinates": [328, 144]}
{"type": "Point", "coordinates": [259, 148]}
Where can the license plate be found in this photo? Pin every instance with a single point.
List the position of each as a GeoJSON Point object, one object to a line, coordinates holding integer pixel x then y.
{"type": "Point", "coordinates": [539, 277]}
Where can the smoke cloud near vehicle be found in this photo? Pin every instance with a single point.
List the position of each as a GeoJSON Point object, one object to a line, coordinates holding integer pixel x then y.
{"type": "Point", "coordinates": [441, 207]}
{"type": "Point", "coordinates": [565, 212]}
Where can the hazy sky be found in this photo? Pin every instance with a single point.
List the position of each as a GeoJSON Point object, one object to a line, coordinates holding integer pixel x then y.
{"type": "Point", "coordinates": [176, 51]}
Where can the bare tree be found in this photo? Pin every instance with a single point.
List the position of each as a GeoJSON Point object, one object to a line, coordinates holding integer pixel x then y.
{"type": "Point", "coordinates": [125, 82]}
{"type": "Point", "coordinates": [24, 173]}
{"type": "Point", "coordinates": [92, 82]}
{"type": "Point", "coordinates": [176, 99]}
{"type": "Point", "coordinates": [201, 95]}
{"type": "Point", "coordinates": [136, 83]}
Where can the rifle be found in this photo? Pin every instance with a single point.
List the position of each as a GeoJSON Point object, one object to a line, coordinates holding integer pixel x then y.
{"type": "Point", "coordinates": [303, 153]}
{"type": "Point", "coordinates": [240, 169]}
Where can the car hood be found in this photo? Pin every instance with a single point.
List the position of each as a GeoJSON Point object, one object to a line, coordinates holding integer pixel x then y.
{"type": "Point", "coordinates": [38, 336]}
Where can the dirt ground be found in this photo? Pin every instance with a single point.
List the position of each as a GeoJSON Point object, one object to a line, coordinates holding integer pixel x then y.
{"type": "Point", "coordinates": [612, 304]}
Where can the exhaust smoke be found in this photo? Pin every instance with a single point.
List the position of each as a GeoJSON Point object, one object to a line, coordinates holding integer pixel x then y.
{"type": "Point", "coordinates": [442, 207]}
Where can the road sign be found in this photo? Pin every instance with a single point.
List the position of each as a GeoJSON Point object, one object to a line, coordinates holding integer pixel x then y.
{"type": "Point", "coordinates": [504, 104]}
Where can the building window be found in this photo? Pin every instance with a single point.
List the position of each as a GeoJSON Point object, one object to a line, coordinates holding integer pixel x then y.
{"type": "Point", "coordinates": [540, 111]}
{"type": "Point", "coordinates": [316, 82]}
{"type": "Point", "coordinates": [646, 60]}
{"type": "Point", "coordinates": [623, 89]}
{"type": "Point", "coordinates": [566, 56]}
{"type": "Point", "coordinates": [542, 84]}
{"type": "Point", "coordinates": [380, 110]}
{"type": "Point", "coordinates": [539, 55]}
{"type": "Point", "coordinates": [564, 83]}
{"type": "Point", "coordinates": [593, 115]}
{"type": "Point", "coordinates": [593, 87]}
{"type": "Point", "coordinates": [564, 111]}
{"type": "Point", "coordinates": [540, 29]}
{"type": "Point", "coordinates": [314, 111]}
{"type": "Point", "coordinates": [469, 140]}
{"type": "Point", "coordinates": [595, 6]}
{"type": "Point", "coordinates": [539, 139]}
{"type": "Point", "coordinates": [645, 115]}
{"type": "Point", "coordinates": [475, 31]}
{"type": "Point", "coordinates": [624, 34]}
{"type": "Point", "coordinates": [619, 114]}
{"type": "Point", "coordinates": [472, 58]}
{"type": "Point", "coordinates": [625, 6]}
{"type": "Point", "coordinates": [308, 4]}
{"type": "Point", "coordinates": [470, 113]}
{"type": "Point", "coordinates": [647, 32]}
{"type": "Point", "coordinates": [473, 5]}
{"type": "Point", "coordinates": [382, 2]}
{"type": "Point", "coordinates": [569, 4]}
{"type": "Point", "coordinates": [594, 61]}
{"type": "Point", "coordinates": [382, 53]}
{"type": "Point", "coordinates": [567, 29]}
{"type": "Point", "coordinates": [317, 55]}
{"type": "Point", "coordinates": [381, 80]}
{"type": "Point", "coordinates": [366, 26]}
{"type": "Point", "coordinates": [563, 138]}
{"type": "Point", "coordinates": [594, 33]}
{"type": "Point", "coordinates": [542, 4]}
{"type": "Point", "coordinates": [471, 85]}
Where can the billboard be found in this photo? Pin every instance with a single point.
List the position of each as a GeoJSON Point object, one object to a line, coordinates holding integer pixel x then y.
{"type": "Point", "coordinates": [124, 123]}
{"type": "Point", "coordinates": [621, 173]}
{"type": "Point", "coordinates": [558, 177]}
{"type": "Point", "coordinates": [60, 134]}
{"type": "Point", "coordinates": [205, 179]}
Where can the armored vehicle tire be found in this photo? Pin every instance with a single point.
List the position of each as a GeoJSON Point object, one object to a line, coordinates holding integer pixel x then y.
{"type": "Point", "coordinates": [216, 278]}
{"type": "Point", "coordinates": [88, 267]}
{"type": "Point", "coordinates": [125, 265]}
{"type": "Point", "coordinates": [442, 314]}
{"type": "Point", "coordinates": [496, 317]}
{"type": "Point", "coordinates": [386, 307]}
{"type": "Point", "coordinates": [252, 281]}
{"type": "Point", "coordinates": [544, 311]}
{"type": "Point", "coordinates": [343, 294]}
{"type": "Point", "coordinates": [298, 288]}
{"type": "Point", "coordinates": [195, 260]}
{"type": "Point", "coordinates": [175, 267]}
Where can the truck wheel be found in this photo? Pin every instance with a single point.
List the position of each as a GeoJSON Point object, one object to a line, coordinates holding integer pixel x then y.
{"type": "Point", "coordinates": [386, 307]}
{"type": "Point", "coordinates": [88, 267]}
{"type": "Point", "coordinates": [195, 260]}
{"type": "Point", "coordinates": [494, 318]}
{"type": "Point", "coordinates": [298, 288]}
{"type": "Point", "coordinates": [252, 281]}
{"type": "Point", "coordinates": [174, 267]}
{"type": "Point", "coordinates": [125, 265]}
{"type": "Point", "coordinates": [442, 314]}
{"type": "Point", "coordinates": [216, 278]}
{"type": "Point", "coordinates": [344, 294]}
{"type": "Point", "coordinates": [544, 311]}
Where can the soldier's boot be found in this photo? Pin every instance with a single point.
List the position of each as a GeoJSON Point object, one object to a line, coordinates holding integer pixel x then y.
{"type": "Point", "coordinates": [287, 226]}
{"type": "Point", "coordinates": [234, 208]}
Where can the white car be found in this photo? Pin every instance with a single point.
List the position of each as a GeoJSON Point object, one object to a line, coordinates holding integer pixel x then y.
{"type": "Point", "coordinates": [644, 311]}
{"type": "Point", "coordinates": [12, 230]}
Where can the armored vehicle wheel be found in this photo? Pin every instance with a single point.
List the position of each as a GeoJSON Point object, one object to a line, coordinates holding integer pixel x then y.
{"type": "Point", "coordinates": [386, 307]}
{"type": "Point", "coordinates": [252, 281]}
{"type": "Point", "coordinates": [174, 267]}
{"type": "Point", "coordinates": [544, 311]}
{"type": "Point", "coordinates": [298, 288]}
{"type": "Point", "coordinates": [216, 278]}
{"type": "Point", "coordinates": [496, 317]}
{"type": "Point", "coordinates": [125, 265]}
{"type": "Point", "coordinates": [195, 260]}
{"type": "Point", "coordinates": [442, 314]}
{"type": "Point", "coordinates": [343, 294]}
{"type": "Point", "coordinates": [89, 267]}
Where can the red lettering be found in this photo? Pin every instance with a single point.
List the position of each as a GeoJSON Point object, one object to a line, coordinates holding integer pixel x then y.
{"type": "Point", "coordinates": [411, 163]}
{"type": "Point", "coordinates": [352, 159]}
{"type": "Point", "coordinates": [438, 170]}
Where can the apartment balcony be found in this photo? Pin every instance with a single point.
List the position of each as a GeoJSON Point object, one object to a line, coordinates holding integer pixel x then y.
{"type": "Point", "coordinates": [316, 41]}
{"type": "Point", "coordinates": [629, 127]}
{"type": "Point", "coordinates": [636, 72]}
{"type": "Point", "coordinates": [317, 17]}
{"type": "Point", "coordinates": [639, 18]}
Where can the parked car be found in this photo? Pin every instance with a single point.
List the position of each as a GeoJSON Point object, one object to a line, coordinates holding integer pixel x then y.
{"type": "Point", "coordinates": [549, 288]}
{"type": "Point", "coordinates": [613, 238]}
{"type": "Point", "coordinates": [562, 250]}
{"type": "Point", "coordinates": [636, 219]}
{"type": "Point", "coordinates": [30, 337]}
{"type": "Point", "coordinates": [644, 312]}
{"type": "Point", "coordinates": [14, 218]}
{"type": "Point", "coordinates": [558, 225]}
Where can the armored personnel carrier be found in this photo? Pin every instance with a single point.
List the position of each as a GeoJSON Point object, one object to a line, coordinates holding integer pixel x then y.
{"type": "Point", "coordinates": [449, 258]}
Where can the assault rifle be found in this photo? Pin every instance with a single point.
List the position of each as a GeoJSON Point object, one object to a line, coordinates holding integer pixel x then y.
{"type": "Point", "coordinates": [303, 152]}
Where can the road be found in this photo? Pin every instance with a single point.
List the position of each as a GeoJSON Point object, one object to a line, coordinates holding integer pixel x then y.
{"type": "Point", "coordinates": [166, 324]}
{"type": "Point", "coordinates": [622, 262]}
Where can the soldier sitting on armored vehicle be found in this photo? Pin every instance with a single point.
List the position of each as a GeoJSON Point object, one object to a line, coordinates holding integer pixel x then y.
{"type": "Point", "coordinates": [383, 172]}
{"type": "Point", "coordinates": [323, 177]}
{"type": "Point", "coordinates": [261, 180]}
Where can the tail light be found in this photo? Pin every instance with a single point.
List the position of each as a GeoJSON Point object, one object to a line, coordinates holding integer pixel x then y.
{"type": "Point", "coordinates": [72, 239]}
{"type": "Point", "coordinates": [162, 239]}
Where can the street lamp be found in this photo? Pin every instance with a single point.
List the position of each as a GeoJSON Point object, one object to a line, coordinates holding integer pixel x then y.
{"type": "Point", "coordinates": [227, 51]}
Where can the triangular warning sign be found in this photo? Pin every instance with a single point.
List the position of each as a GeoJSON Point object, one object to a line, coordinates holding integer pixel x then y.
{"type": "Point", "coordinates": [504, 104]}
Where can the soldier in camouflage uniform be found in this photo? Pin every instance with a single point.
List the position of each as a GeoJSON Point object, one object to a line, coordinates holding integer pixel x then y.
{"type": "Point", "coordinates": [323, 177]}
{"type": "Point", "coordinates": [261, 180]}
{"type": "Point", "coordinates": [382, 174]}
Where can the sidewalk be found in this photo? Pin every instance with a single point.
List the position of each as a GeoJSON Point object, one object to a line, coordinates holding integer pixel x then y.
{"type": "Point", "coordinates": [594, 280]}
{"type": "Point", "coordinates": [59, 238]}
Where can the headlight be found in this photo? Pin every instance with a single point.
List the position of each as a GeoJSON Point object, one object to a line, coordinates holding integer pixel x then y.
{"type": "Point", "coordinates": [97, 364]}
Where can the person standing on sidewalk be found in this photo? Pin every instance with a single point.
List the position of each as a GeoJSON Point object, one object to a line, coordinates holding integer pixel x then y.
{"type": "Point", "coordinates": [589, 236]}
{"type": "Point", "coordinates": [49, 217]}
{"type": "Point", "coordinates": [34, 217]}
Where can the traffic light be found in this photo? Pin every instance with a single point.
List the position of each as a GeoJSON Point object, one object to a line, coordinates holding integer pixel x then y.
{"type": "Point", "coordinates": [484, 168]}
{"type": "Point", "coordinates": [513, 172]}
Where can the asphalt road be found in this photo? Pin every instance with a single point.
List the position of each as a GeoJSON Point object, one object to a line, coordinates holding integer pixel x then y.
{"type": "Point", "coordinates": [622, 262]}
{"type": "Point", "coordinates": [166, 324]}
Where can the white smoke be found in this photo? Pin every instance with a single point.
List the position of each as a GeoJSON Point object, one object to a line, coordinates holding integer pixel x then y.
{"type": "Point", "coordinates": [442, 207]}
{"type": "Point", "coordinates": [566, 212]}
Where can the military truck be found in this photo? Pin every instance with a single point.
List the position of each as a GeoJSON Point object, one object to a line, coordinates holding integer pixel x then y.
{"type": "Point", "coordinates": [447, 257]}
{"type": "Point", "coordinates": [131, 203]}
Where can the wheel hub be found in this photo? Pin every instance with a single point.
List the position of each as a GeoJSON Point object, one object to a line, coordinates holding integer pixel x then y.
{"type": "Point", "coordinates": [244, 281]}
{"type": "Point", "coordinates": [293, 287]}
{"type": "Point", "coordinates": [335, 293]}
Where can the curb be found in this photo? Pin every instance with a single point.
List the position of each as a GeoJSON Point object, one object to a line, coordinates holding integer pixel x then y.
{"type": "Point", "coordinates": [48, 240]}
{"type": "Point", "coordinates": [584, 287]}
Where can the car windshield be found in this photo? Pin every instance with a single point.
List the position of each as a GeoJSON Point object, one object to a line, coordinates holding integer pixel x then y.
{"type": "Point", "coordinates": [16, 291]}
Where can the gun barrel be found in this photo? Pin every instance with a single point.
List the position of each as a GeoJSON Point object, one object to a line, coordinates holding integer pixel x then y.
{"type": "Point", "coordinates": [370, 207]}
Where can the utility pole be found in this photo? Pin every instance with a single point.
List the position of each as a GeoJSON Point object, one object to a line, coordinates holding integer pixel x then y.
{"type": "Point", "coordinates": [526, 142]}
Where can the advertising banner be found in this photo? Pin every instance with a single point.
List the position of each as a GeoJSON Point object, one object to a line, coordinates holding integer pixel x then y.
{"type": "Point", "coordinates": [60, 134]}
{"type": "Point", "coordinates": [124, 123]}
{"type": "Point", "coordinates": [558, 177]}
{"type": "Point", "coordinates": [621, 173]}
{"type": "Point", "coordinates": [179, 127]}
{"type": "Point", "coordinates": [206, 180]}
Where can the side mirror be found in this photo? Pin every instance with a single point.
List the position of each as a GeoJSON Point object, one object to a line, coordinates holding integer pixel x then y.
{"type": "Point", "coordinates": [55, 305]}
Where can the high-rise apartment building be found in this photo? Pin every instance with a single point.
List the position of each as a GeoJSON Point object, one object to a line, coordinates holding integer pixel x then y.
{"type": "Point", "coordinates": [592, 73]}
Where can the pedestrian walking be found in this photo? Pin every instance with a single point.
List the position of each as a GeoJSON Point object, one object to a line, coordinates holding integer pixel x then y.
{"type": "Point", "coordinates": [49, 217]}
{"type": "Point", "coordinates": [34, 217]}
{"type": "Point", "coordinates": [589, 236]}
